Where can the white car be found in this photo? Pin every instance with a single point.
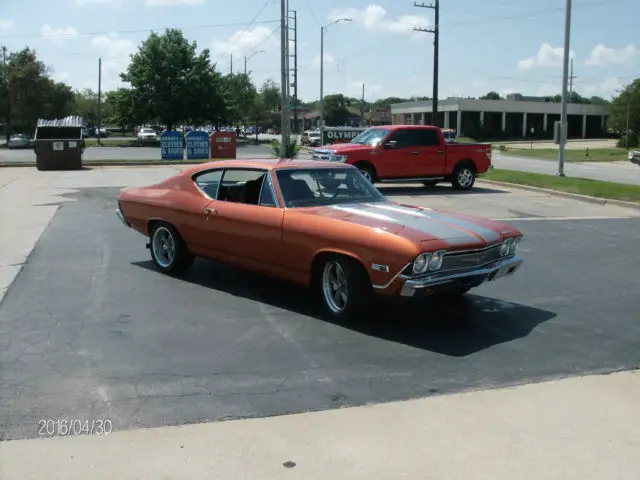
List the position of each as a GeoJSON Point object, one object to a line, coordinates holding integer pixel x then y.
{"type": "Point", "coordinates": [634, 156]}
{"type": "Point", "coordinates": [147, 134]}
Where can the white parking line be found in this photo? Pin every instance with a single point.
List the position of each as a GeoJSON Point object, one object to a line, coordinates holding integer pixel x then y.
{"type": "Point", "coordinates": [530, 219]}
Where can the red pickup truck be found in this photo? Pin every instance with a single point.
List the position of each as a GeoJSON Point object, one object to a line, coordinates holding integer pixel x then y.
{"type": "Point", "coordinates": [411, 153]}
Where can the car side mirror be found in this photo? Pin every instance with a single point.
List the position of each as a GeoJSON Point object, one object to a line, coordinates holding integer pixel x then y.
{"type": "Point", "coordinates": [390, 145]}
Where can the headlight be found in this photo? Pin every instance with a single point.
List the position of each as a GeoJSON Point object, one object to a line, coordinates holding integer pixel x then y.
{"type": "Point", "coordinates": [506, 247]}
{"type": "Point", "coordinates": [436, 260]}
{"type": "Point", "coordinates": [421, 263]}
{"type": "Point", "coordinates": [514, 246]}
{"type": "Point", "coordinates": [338, 158]}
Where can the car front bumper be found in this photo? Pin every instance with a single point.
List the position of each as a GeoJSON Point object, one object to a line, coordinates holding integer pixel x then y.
{"type": "Point", "coordinates": [446, 281]}
{"type": "Point", "coordinates": [121, 217]}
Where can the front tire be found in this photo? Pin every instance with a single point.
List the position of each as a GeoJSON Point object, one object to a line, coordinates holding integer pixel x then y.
{"type": "Point", "coordinates": [344, 288]}
{"type": "Point", "coordinates": [367, 171]}
{"type": "Point", "coordinates": [168, 251]}
{"type": "Point", "coordinates": [464, 176]}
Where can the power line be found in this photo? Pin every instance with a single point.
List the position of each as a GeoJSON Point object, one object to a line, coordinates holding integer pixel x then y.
{"type": "Point", "coordinates": [248, 26]}
{"type": "Point", "coordinates": [260, 45]}
{"type": "Point", "coordinates": [143, 30]}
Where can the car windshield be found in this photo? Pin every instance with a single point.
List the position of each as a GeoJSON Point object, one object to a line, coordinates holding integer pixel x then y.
{"type": "Point", "coordinates": [147, 130]}
{"type": "Point", "coordinates": [311, 187]}
{"type": "Point", "coordinates": [372, 136]}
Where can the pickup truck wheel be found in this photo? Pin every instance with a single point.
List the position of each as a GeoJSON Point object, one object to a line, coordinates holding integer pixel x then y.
{"type": "Point", "coordinates": [345, 288]}
{"type": "Point", "coordinates": [367, 171]}
{"type": "Point", "coordinates": [168, 251]}
{"type": "Point", "coordinates": [464, 176]}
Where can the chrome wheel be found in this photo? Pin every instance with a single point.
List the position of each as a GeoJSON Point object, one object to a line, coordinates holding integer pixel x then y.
{"type": "Point", "coordinates": [334, 287]}
{"type": "Point", "coordinates": [366, 174]}
{"type": "Point", "coordinates": [465, 177]}
{"type": "Point", "coordinates": [164, 247]}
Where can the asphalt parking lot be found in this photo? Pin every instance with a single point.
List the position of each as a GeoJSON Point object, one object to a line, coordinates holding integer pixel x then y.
{"type": "Point", "coordinates": [90, 330]}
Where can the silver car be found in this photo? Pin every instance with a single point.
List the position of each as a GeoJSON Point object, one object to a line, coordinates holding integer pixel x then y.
{"type": "Point", "coordinates": [19, 140]}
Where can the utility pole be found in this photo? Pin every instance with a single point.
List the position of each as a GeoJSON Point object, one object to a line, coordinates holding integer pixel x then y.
{"type": "Point", "coordinates": [363, 121]}
{"type": "Point", "coordinates": [571, 78]}
{"type": "Point", "coordinates": [295, 70]}
{"type": "Point", "coordinates": [284, 53]}
{"type": "Point", "coordinates": [245, 64]}
{"type": "Point", "coordinates": [7, 92]}
{"type": "Point", "coordinates": [436, 49]}
{"type": "Point", "coordinates": [626, 131]}
{"type": "Point", "coordinates": [565, 81]}
{"type": "Point", "coordinates": [99, 99]}
{"type": "Point", "coordinates": [231, 63]}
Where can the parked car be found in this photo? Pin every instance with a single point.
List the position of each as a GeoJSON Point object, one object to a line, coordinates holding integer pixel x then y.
{"type": "Point", "coordinates": [318, 224]}
{"type": "Point", "coordinates": [19, 140]}
{"type": "Point", "coordinates": [101, 132]}
{"type": "Point", "coordinates": [146, 133]}
{"type": "Point", "coordinates": [311, 138]}
{"type": "Point", "coordinates": [411, 153]}
{"type": "Point", "coordinates": [634, 156]}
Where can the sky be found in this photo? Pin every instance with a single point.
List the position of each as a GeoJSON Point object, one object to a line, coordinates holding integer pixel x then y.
{"type": "Point", "coordinates": [501, 45]}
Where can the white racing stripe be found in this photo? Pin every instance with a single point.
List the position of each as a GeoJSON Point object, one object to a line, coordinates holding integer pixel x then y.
{"type": "Point", "coordinates": [531, 219]}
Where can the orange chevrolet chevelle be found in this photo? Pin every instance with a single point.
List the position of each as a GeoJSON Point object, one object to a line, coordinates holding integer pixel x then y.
{"type": "Point", "coordinates": [319, 224]}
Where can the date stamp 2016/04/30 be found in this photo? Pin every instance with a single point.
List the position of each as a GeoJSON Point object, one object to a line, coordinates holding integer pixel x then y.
{"type": "Point", "coordinates": [61, 427]}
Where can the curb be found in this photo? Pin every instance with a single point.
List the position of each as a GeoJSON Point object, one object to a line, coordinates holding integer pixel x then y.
{"type": "Point", "coordinates": [574, 196]}
{"type": "Point", "coordinates": [124, 163]}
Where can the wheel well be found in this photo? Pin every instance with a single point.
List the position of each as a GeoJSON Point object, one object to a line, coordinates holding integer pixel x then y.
{"type": "Point", "coordinates": [369, 165]}
{"type": "Point", "coordinates": [467, 162]}
{"type": "Point", "coordinates": [320, 258]}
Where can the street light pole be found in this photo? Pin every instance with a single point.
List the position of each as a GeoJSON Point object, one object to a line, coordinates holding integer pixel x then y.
{"type": "Point", "coordinates": [565, 80]}
{"type": "Point", "coordinates": [284, 53]}
{"type": "Point", "coordinates": [322, 32]}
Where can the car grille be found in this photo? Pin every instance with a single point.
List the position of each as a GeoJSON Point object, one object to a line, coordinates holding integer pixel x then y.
{"type": "Point", "coordinates": [470, 259]}
{"type": "Point", "coordinates": [321, 155]}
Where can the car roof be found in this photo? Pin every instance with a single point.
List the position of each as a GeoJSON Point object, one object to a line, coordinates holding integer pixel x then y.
{"type": "Point", "coordinates": [395, 127]}
{"type": "Point", "coordinates": [265, 163]}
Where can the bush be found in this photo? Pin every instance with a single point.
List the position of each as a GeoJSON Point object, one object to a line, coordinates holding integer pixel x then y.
{"type": "Point", "coordinates": [634, 141]}
{"type": "Point", "coordinates": [292, 151]}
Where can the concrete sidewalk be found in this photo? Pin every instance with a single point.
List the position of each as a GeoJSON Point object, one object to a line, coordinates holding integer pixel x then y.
{"type": "Point", "coordinates": [583, 428]}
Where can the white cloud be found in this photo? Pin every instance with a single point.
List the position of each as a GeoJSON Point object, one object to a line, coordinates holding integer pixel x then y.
{"type": "Point", "coordinates": [58, 34]}
{"type": "Point", "coordinates": [60, 76]}
{"type": "Point", "coordinates": [601, 55]}
{"type": "Point", "coordinates": [102, 3]}
{"type": "Point", "coordinates": [116, 54]}
{"type": "Point", "coordinates": [328, 61]}
{"type": "Point", "coordinates": [6, 24]}
{"type": "Point", "coordinates": [607, 89]}
{"type": "Point", "coordinates": [547, 56]}
{"type": "Point", "coordinates": [166, 3]}
{"type": "Point", "coordinates": [375, 18]}
{"type": "Point", "coordinates": [242, 43]}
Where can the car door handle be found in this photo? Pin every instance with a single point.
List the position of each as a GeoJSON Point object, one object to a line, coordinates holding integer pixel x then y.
{"type": "Point", "coordinates": [210, 211]}
{"type": "Point", "coordinates": [414, 153]}
{"type": "Point", "coordinates": [440, 152]}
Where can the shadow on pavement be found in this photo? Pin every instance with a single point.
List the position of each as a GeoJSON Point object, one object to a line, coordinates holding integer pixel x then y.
{"type": "Point", "coordinates": [445, 189]}
{"type": "Point", "coordinates": [455, 328]}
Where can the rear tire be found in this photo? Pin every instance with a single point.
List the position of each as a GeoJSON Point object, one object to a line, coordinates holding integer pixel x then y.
{"type": "Point", "coordinates": [168, 251]}
{"type": "Point", "coordinates": [344, 288]}
{"type": "Point", "coordinates": [464, 176]}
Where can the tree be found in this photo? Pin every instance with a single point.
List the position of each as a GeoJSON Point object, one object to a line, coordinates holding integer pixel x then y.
{"type": "Point", "coordinates": [122, 108]}
{"type": "Point", "coordinates": [626, 105]}
{"type": "Point", "coordinates": [491, 96]}
{"type": "Point", "coordinates": [265, 105]}
{"type": "Point", "coordinates": [240, 98]}
{"type": "Point", "coordinates": [335, 109]}
{"type": "Point", "coordinates": [172, 82]}
{"type": "Point", "coordinates": [28, 93]}
{"type": "Point", "coordinates": [86, 106]}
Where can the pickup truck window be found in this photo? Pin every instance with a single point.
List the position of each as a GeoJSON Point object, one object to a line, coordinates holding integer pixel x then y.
{"type": "Point", "coordinates": [427, 137]}
{"type": "Point", "coordinates": [403, 138]}
{"type": "Point", "coordinates": [371, 136]}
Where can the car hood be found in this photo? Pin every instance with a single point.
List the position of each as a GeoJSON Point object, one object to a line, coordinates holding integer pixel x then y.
{"type": "Point", "coordinates": [420, 224]}
{"type": "Point", "coordinates": [345, 148]}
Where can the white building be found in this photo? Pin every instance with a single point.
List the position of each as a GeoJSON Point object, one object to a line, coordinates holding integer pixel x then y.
{"type": "Point", "coordinates": [516, 116]}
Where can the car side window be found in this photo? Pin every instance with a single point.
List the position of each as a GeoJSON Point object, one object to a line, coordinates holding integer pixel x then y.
{"type": "Point", "coordinates": [267, 197]}
{"type": "Point", "coordinates": [209, 183]}
{"type": "Point", "coordinates": [241, 185]}
{"type": "Point", "coordinates": [427, 137]}
{"type": "Point", "coordinates": [403, 138]}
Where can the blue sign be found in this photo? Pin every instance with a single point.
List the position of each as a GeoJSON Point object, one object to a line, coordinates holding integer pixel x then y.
{"type": "Point", "coordinates": [172, 146]}
{"type": "Point", "coordinates": [197, 145]}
